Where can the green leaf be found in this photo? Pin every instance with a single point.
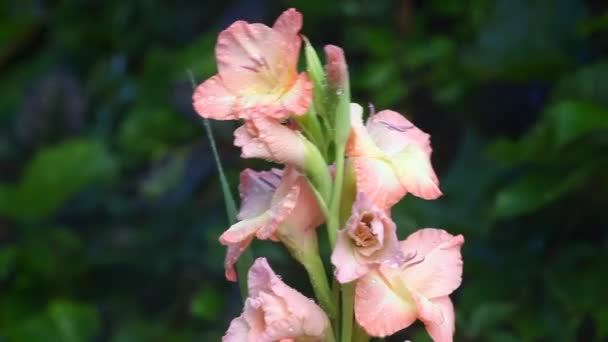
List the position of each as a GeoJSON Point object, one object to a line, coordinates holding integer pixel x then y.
{"type": "Point", "coordinates": [487, 316]}
{"type": "Point", "coordinates": [55, 174]}
{"type": "Point", "coordinates": [74, 322]}
{"type": "Point", "coordinates": [572, 120]}
{"type": "Point", "coordinates": [149, 132]}
{"type": "Point", "coordinates": [62, 320]}
{"type": "Point", "coordinates": [585, 84]}
{"type": "Point", "coordinates": [534, 190]}
{"type": "Point", "coordinates": [8, 256]}
{"type": "Point", "coordinates": [207, 304]}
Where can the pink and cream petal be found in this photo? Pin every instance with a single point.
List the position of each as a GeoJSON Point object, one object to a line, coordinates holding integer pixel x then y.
{"type": "Point", "coordinates": [442, 331]}
{"type": "Point", "coordinates": [238, 331]}
{"type": "Point", "coordinates": [270, 140]}
{"type": "Point", "coordinates": [233, 253]}
{"type": "Point", "coordinates": [379, 310]}
{"type": "Point", "coordinates": [392, 132]}
{"type": "Point", "coordinates": [359, 141]}
{"type": "Point", "coordinates": [250, 58]}
{"type": "Point", "coordinates": [344, 258]}
{"type": "Point", "coordinates": [212, 100]}
{"type": "Point", "coordinates": [416, 173]}
{"type": "Point", "coordinates": [297, 99]}
{"type": "Point", "coordinates": [289, 23]}
{"type": "Point", "coordinates": [378, 181]}
{"type": "Point", "coordinates": [439, 271]}
{"type": "Point", "coordinates": [256, 189]}
{"type": "Point", "coordinates": [244, 229]}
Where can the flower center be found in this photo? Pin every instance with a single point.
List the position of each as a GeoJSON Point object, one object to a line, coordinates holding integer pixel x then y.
{"type": "Point", "coordinates": [363, 234]}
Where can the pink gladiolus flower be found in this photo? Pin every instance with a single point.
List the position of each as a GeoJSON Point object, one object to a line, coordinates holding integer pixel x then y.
{"type": "Point", "coordinates": [270, 140]}
{"type": "Point", "coordinates": [368, 240]}
{"type": "Point", "coordinates": [388, 299]}
{"type": "Point", "coordinates": [276, 312]}
{"type": "Point", "coordinates": [391, 157]}
{"type": "Point", "coordinates": [274, 204]}
{"type": "Point", "coordinates": [257, 72]}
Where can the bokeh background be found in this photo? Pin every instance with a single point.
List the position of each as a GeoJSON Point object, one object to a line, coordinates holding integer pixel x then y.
{"type": "Point", "coordinates": [110, 206]}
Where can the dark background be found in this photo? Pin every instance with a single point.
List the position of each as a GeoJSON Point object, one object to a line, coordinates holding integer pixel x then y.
{"type": "Point", "coordinates": [110, 207]}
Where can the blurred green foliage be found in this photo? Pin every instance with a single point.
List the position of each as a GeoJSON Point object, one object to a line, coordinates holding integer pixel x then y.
{"type": "Point", "coordinates": [110, 207]}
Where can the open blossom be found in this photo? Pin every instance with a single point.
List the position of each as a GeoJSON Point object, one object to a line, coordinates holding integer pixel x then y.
{"type": "Point", "coordinates": [270, 140]}
{"type": "Point", "coordinates": [368, 240]}
{"type": "Point", "coordinates": [257, 72]}
{"type": "Point", "coordinates": [388, 299]}
{"type": "Point", "coordinates": [275, 204]}
{"type": "Point", "coordinates": [391, 157]}
{"type": "Point", "coordinates": [276, 312]}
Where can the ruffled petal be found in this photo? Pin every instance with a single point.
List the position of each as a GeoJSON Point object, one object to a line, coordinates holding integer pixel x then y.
{"type": "Point", "coordinates": [238, 331]}
{"type": "Point", "coordinates": [392, 132]}
{"type": "Point", "coordinates": [251, 58]}
{"type": "Point", "coordinates": [297, 99]}
{"type": "Point", "coordinates": [289, 23]}
{"type": "Point", "coordinates": [270, 140]}
{"type": "Point", "coordinates": [244, 229]}
{"type": "Point", "coordinates": [376, 178]}
{"type": "Point", "coordinates": [368, 240]}
{"type": "Point", "coordinates": [232, 255]}
{"type": "Point", "coordinates": [438, 271]}
{"type": "Point", "coordinates": [344, 259]}
{"type": "Point", "coordinates": [256, 189]}
{"type": "Point", "coordinates": [441, 322]}
{"type": "Point", "coordinates": [283, 202]}
{"type": "Point", "coordinates": [379, 310]}
{"type": "Point", "coordinates": [212, 100]}
{"type": "Point", "coordinates": [359, 142]}
{"type": "Point", "coordinates": [311, 319]}
{"type": "Point", "coordinates": [416, 173]}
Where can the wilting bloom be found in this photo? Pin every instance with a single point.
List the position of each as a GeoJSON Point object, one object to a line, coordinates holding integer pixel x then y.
{"type": "Point", "coordinates": [270, 140]}
{"type": "Point", "coordinates": [275, 205]}
{"type": "Point", "coordinates": [391, 157]}
{"type": "Point", "coordinates": [276, 312]}
{"type": "Point", "coordinates": [388, 299]}
{"type": "Point", "coordinates": [257, 72]}
{"type": "Point", "coordinates": [368, 240]}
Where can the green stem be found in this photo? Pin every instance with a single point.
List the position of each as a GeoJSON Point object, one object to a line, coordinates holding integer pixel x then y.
{"type": "Point", "coordinates": [311, 126]}
{"type": "Point", "coordinates": [320, 284]}
{"type": "Point", "coordinates": [347, 311]}
{"type": "Point", "coordinates": [335, 289]}
{"type": "Point", "coordinates": [333, 221]}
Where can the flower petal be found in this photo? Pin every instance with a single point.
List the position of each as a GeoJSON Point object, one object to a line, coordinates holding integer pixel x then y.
{"type": "Point", "coordinates": [251, 58]}
{"type": "Point", "coordinates": [212, 100]}
{"type": "Point", "coordinates": [377, 179]}
{"type": "Point", "coordinates": [238, 331]}
{"type": "Point", "coordinates": [244, 229]}
{"type": "Point", "coordinates": [268, 139]}
{"type": "Point", "coordinates": [232, 255]}
{"type": "Point", "coordinates": [379, 310]}
{"type": "Point", "coordinates": [289, 23]}
{"type": "Point", "coordinates": [416, 172]}
{"type": "Point", "coordinates": [296, 100]}
{"type": "Point", "coordinates": [256, 189]}
{"type": "Point", "coordinates": [439, 270]}
{"type": "Point", "coordinates": [283, 202]}
{"type": "Point", "coordinates": [391, 132]}
{"type": "Point", "coordinates": [344, 259]}
{"type": "Point", "coordinates": [441, 330]}
{"type": "Point", "coordinates": [262, 279]}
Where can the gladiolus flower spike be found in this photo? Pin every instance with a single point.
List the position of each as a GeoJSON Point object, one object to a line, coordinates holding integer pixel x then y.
{"type": "Point", "coordinates": [294, 118]}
